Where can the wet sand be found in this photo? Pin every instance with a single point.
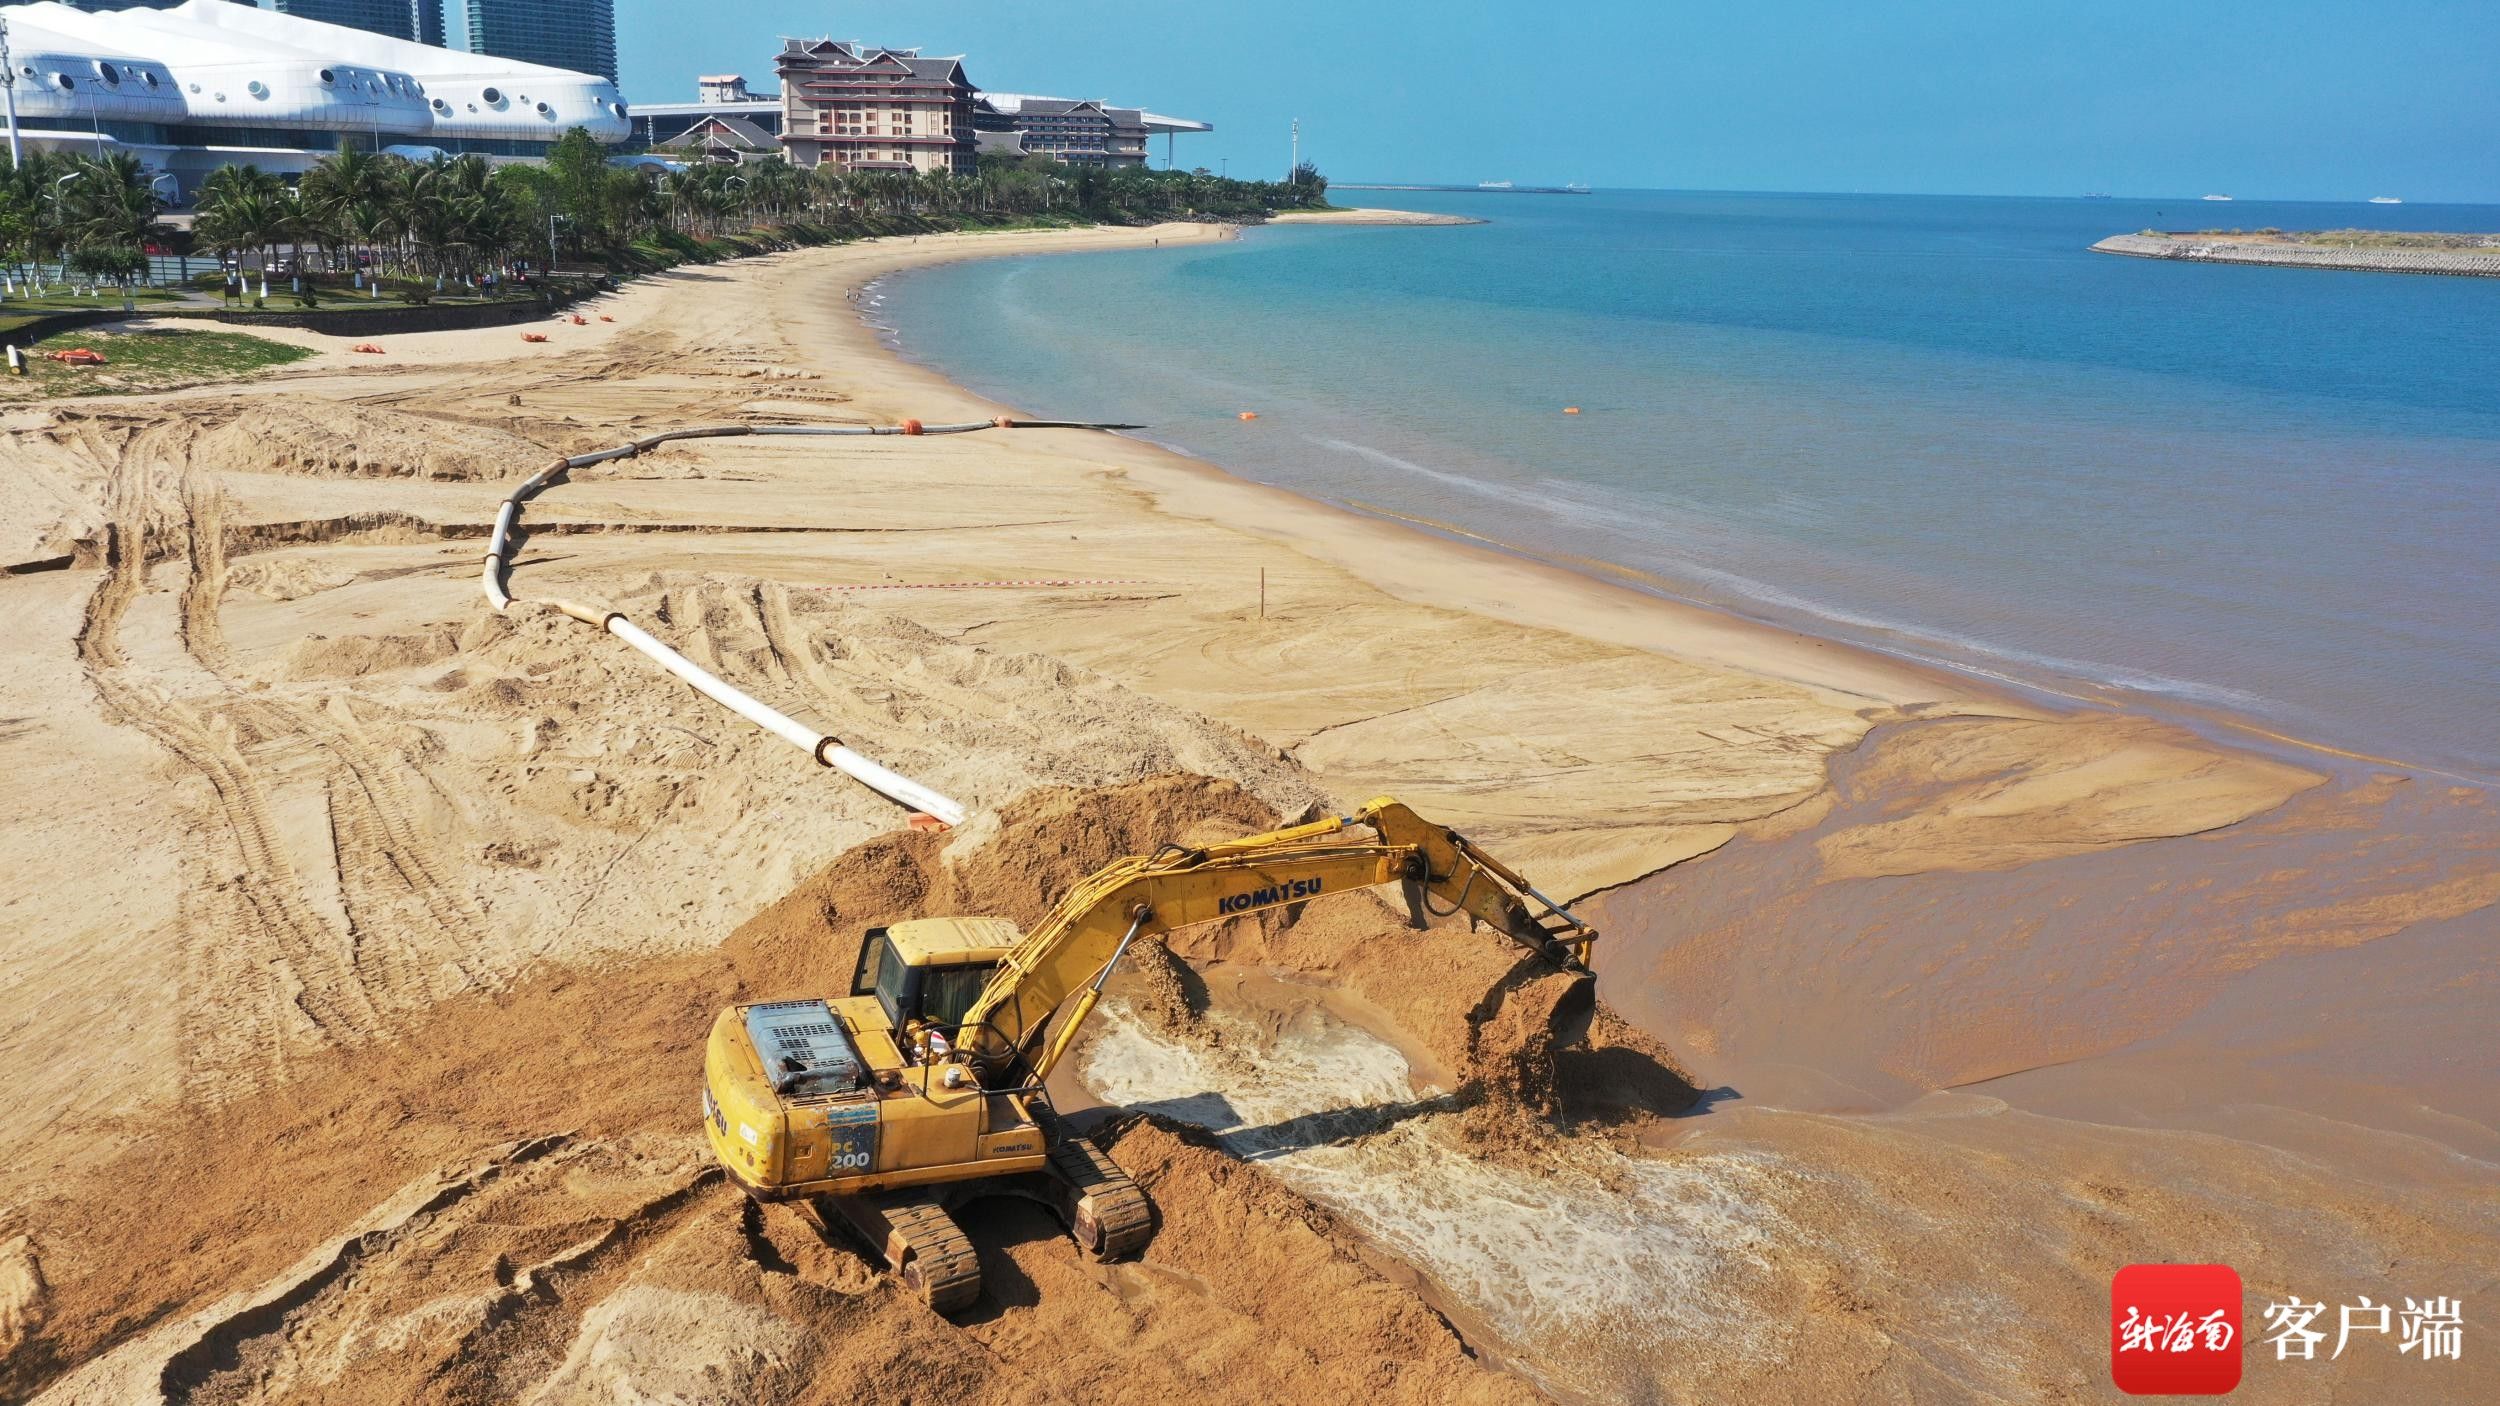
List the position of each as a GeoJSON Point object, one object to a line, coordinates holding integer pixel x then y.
{"type": "Point", "coordinates": [376, 859]}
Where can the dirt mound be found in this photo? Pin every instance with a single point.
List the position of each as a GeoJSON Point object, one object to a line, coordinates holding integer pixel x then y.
{"type": "Point", "coordinates": [333, 440]}
{"type": "Point", "coordinates": [594, 1253]}
{"type": "Point", "coordinates": [1042, 844]}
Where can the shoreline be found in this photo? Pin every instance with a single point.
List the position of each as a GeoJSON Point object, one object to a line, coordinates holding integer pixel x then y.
{"type": "Point", "coordinates": [1344, 534]}
{"type": "Point", "coordinates": [1711, 630]}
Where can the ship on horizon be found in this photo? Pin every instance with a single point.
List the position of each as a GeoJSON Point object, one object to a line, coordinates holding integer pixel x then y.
{"type": "Point", "coordinates": [2214, 197]}
{"type": "Point", "coordinates": [2385, 200]}
{"type": "Point", "coordinates": [1493, 185]}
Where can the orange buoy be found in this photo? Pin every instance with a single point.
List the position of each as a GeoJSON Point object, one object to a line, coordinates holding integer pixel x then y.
{"type": "Point", "coordinates": [603, 317]}
{"type": "Point", "coordinates": [533, 336]}
{"type": "Point", "coordinates": [1004, 423]}
{"type": "Point", "coordinates": [1571, 410]}
{"type": "Point", "coordinates": [366, 347]}
{"type": "Point", "coordinates": [580, 321]}
{"type": "Point", "coordinates": [1249, 414]}
{"type": "Point", "coordinates": [911, 427]}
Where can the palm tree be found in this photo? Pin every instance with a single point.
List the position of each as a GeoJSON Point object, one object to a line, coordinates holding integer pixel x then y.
{"type": "Point", "coordinates": [342, 181]}
{"type": "Point", "coordinates": [366, 223]}
{"type": "Point", "coordinates": [242, 218]}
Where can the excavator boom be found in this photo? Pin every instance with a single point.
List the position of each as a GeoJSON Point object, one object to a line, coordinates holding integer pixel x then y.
{"type": "Point", "coordinates": [1074, 950]}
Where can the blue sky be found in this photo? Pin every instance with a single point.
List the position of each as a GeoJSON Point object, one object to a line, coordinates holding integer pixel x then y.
{"type": "Point", "coordinates": [2292, 99]}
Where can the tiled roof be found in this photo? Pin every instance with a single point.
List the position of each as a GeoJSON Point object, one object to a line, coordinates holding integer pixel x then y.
{"type": "Point", "coordinates": [737, 129]}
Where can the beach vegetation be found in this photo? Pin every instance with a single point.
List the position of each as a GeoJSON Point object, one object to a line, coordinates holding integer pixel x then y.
{"type": "Point", "coordinates": [145, 359]}
{"type": "Point", "coordinates": [386, 231]}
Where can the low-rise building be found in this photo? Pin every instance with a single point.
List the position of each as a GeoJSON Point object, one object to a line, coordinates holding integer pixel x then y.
{"type": "Point", "coordinates": [721, 138]}
{"type": "Point", "coordinates": [1081, 132]}
{"type": "Point", "coordinates": [861, 108]}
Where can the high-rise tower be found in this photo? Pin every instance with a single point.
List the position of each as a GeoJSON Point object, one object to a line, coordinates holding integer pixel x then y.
{"type": "Point", "coordinates": [420, 20]}
{"type": "Point", "coordinates": [575, 34]}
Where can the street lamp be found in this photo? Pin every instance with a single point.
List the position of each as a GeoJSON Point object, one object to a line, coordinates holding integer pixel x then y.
{"type": "Point", "coordinates": [56, 220]}
{"type": "Point", "coordinates": [8, 82]}
{"type": "Point", "coordinates": [552, 222]}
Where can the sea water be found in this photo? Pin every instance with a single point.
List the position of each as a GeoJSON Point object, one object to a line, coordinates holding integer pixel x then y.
{"type": "Point", "coordinates": [1940, 426]}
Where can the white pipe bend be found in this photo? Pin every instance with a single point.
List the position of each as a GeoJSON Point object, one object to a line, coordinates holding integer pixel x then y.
{"type": "Point", "coordinates": [824, 747]}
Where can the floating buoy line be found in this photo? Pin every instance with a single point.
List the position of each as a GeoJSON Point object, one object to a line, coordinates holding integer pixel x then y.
{"type": "Point", "coordinates": [827, 749]}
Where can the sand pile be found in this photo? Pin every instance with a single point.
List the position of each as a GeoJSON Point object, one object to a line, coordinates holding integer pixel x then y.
{"type": "Point", "coordinates": [558, 1234]}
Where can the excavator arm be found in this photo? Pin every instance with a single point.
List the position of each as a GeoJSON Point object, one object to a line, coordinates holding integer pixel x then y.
{"type": "Point", "coordinates": [1075, 950]}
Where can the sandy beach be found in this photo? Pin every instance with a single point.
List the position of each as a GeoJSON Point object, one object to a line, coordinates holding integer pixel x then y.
{"type": "Point", "coordinates": [361, 941]}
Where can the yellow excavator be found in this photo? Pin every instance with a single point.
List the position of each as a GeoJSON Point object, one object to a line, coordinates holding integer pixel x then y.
{"type": "Point", "coordinates": [923, 1088]}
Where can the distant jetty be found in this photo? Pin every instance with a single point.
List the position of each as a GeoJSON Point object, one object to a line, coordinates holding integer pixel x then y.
{"type": "Point", "coordinates": [1490, 188]}
{"type": "Point", "coordinates": [2360, 251]}
{"type": "Point", "coordinates": [1360, 216]}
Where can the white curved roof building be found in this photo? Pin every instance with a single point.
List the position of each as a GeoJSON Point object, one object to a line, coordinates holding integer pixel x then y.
{"type": "Point", "coordinates": [209, 83]}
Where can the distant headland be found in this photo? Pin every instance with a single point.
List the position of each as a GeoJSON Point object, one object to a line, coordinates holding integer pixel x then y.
{"type": "Point", "coordinates": [2361, 250]}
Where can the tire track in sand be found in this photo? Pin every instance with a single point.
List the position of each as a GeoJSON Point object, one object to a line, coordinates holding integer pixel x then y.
{"type": "Point", "coordinates": [417, 936]}
{"type": "Point", "coordinates": [262, 971]}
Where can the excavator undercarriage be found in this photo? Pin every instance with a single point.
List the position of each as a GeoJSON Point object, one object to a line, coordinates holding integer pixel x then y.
{"type": "Point", "coordinates": [915, 1233]}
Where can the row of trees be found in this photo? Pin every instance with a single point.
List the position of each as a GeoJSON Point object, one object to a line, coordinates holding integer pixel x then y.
{"type": "Point", "coordinates": [95, 215]}
{"type": "Point", "coordinates": [603, 207]}
{"type": "Point", "coordinates": [449, 218]}
{"type": "Point", "coordinates": [454, 218]}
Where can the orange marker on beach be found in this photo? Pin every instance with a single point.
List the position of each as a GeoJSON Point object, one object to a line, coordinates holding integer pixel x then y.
{"type": "Point", "coordinates": [1249, 414]}
{"type": "Point", "coordinates": [1571, 410]}
{"type": "Point", "coordinates": [533, 336]}
{"type": "Point", "coordinates": [911, 427]}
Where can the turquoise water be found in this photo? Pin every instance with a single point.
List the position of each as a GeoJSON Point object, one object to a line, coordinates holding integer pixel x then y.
{"type": "Point", "coordinates": [1935, 425]}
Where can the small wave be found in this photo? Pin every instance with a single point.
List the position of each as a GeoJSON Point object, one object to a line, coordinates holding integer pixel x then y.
{"type": "Point", "coordinates": [1961, 653]}
{"type": "Point", "coordinates": [1542, 499]}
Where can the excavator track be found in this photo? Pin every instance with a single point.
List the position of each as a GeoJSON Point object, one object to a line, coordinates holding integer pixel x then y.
{"type": "Point", "coordinates": [920, 1242]}
{"type": "Point", "coordinates": [1107, 1214]}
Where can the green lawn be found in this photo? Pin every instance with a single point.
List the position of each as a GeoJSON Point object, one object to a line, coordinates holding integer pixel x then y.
{"type": "Point", "coordinates": [156, 359]}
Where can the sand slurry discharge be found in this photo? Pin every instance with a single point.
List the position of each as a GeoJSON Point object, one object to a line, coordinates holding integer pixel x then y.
{"type": "Point", "coordinates": [361, 943]}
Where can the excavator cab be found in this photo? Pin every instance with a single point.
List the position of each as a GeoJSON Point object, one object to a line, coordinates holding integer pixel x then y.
{"type": "Point", "coordinates": [931, 969]}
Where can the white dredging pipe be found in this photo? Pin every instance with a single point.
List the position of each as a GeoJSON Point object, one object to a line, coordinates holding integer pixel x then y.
{"type": "Point", "coordinates": [827, 749]}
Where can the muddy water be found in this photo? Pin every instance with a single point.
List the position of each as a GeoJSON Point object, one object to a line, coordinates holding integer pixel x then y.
{"type": "Point", "coordinates": [2271, 1045]}
{"type": "Point", "coordinates": [2336, 953]}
